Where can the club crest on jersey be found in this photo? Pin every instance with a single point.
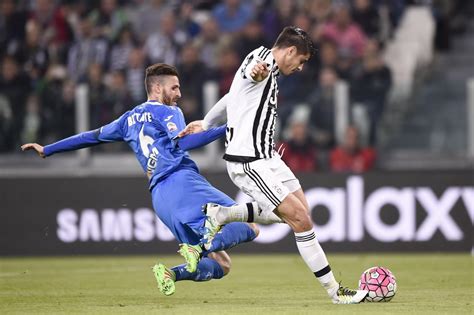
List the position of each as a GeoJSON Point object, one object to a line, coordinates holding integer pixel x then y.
{"type": "Point", "coordinates": [171, 126]}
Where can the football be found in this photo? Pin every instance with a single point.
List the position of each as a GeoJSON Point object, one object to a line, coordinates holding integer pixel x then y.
{"type": "Point", "coordinates": [380, 282]}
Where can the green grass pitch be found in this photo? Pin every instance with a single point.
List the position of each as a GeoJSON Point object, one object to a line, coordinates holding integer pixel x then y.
{"type": "Point", "coordinates": [257, 284]}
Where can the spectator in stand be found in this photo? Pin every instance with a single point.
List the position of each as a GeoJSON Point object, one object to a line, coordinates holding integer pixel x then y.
{"type": "Point", "coordinates": [86, 50]}
{"type": "Point", "coordinates": [210, 42]}
{"type": "Point", "coordinates": [345, 33]}
{"type": "Point", "coordinates": [366, 15]}
{"type": "Point", "coordinates": [164, 45]}
{"type": "Point", "coordinates": [145, 16]}
{"type": "Point", "coordinates": [233, 15]}
{"type": "Point", "coordinates": [6, 124]}
{"type": "Point", "coordinates": [32, 55]}
{"type": "Point", "coordinates": [299, 150]}
{"type": "Point", "coordinates": [370, 86]}
{"type": "Point", "coordinates": [100, 111]}
{"type": "Point", "coordinates": [251, 38]}
{"type": "Point", "coordinates": [134, 75]}
{"type": "Point", "coordinates": [276, 17]}
{"type": "Point", "coordinates": [121, 48]}
{"type": "Point", "coordinates": [15, 86]}
{"type": "Point", "coordinates": [302, 21]}
{"type": "Point", "coordinates": [12, 27]}
{"type": "Point", "coordinates": [32, 120]}
{"type": "Point", "coordinates": [318, 10]}
{"type": "Point", "coordinates": [186, 21]}
{"type": "Point", "coordinates": [55, 30]}
{"type": "Point", "coordinates": [66, 106]}
{"type": "Point", "coordinates": [350, 156]}
{"type": "Point", "coordinates": [193, 73]}
{"type": "Point", "coordinates": [229, 62]}
{"type": "Point", "coordinates": [117, 94]}
{"type": "Point", "coordinates": [108, 19]}
{"type": "Point", "coordinates": [57, 99]}
{"type": "Point", "coordinates": [322, 114]}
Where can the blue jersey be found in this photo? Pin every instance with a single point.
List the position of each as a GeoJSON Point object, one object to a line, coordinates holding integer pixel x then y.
{"type": "Point", "coordinates": [150, 129]}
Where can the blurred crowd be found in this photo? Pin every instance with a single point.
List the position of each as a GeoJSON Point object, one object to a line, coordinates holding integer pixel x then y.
{"type": "Point", "coordinates": [48, 47]}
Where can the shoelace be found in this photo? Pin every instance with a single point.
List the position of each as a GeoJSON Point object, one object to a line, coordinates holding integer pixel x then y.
{"type": "Point", "coordinates": [346, 291]}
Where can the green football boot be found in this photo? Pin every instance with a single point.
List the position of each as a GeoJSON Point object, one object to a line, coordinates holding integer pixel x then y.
{"type": "Point", "coordinates": [165, 278]}
{"type": "Point", "coordinates": [191, 254]}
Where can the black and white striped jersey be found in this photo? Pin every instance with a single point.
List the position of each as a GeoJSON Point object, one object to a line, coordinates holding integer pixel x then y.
{"type": "Point", "coordinates": [251, 110]}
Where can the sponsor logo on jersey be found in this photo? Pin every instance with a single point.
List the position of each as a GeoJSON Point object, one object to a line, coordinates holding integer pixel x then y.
{"type": "Point", "coordinates": [168, 118]}
{"type": "Point", "coordinates": [171, 126]}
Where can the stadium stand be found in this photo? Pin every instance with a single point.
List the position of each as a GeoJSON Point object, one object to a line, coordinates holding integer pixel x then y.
{"type": "Point", "coordinates": [384, 50]}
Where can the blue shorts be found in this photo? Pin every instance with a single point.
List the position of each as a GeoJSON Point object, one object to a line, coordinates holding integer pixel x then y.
{"type": "Point", "coordinates": [178, 201]}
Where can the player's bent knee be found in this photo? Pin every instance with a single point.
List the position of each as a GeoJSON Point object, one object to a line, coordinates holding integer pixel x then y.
{"type": "Point", "coordinates": [223, 260]}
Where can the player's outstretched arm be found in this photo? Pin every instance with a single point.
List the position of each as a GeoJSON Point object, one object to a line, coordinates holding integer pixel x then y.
{"type": "Point", "coordinates": [215, 115]}
{"type": "Point", "coordinates": [200, 139]}
{"type": "Point", "coordinates": [192, 127]}
{"type": "Point", "coordinates": [34, 146]}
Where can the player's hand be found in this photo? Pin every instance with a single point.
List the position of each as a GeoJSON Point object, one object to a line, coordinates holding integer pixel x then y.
{"type": "Point", "coordinates": [34, 146]}
{"type": "Point", "coordinates": [192, 127]}
{"type": "Point", "coordinates": [259, 72]}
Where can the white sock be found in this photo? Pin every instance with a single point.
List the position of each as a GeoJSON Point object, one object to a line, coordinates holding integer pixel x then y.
{"type": "Point", "coordinates": [315, 258]}
{"type": "Point", "coordinates": [247, 212]}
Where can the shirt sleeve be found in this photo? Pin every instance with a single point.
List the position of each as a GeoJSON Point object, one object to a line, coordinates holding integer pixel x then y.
{"type": "Point", "coordinates": [216, 114]}
{"type": "Point", "coordinates": [170, 122]}
{"type": "Point", "coordinates": [200, 139]}
{"type": "Point", "coordinates": [108, 133]}
{"type": "Point", "coordinates": [113, 131]}
{"type": "Point", "coordinates": [250, 61]}
{"type": "Point", "coordinates": [76, 142]}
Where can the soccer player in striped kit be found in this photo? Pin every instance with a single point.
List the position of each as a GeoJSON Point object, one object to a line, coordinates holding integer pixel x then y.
{"type": "Point", "coordinates": [253, 164]}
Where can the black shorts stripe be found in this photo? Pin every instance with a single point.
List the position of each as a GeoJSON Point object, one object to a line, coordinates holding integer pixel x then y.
{"type": "Point", "coordinates": [261, 185]}
{"type": "Point", "coordinates": [258, 115]}
{"type": "Point", "coordinates": [323, 271]}
{"type": "Point", "coordinates": [265, 185]}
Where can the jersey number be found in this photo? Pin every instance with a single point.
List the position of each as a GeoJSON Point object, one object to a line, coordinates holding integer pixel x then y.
{"type": "Point", "coordinates": [144, 142]}
{"type": "Point", "coordinates": [229, 134]}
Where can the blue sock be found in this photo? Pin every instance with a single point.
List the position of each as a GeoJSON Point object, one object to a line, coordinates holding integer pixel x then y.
{"type": "Point", "coordinates": [231, 235]}
{"type": "Point", "coordinates": [207, 269]}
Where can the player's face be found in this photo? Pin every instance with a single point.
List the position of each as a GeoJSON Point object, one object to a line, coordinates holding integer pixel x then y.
{"type": "Point", "coordinates": [293, 61]}
{"type": "Point", "coordinates": [171, 90]}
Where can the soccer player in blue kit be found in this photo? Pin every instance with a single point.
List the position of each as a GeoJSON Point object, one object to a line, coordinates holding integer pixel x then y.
{"type": "Point", "coordinates": [178, 190]}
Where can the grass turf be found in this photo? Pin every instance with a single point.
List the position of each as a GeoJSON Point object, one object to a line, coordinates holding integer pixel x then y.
{"type": "Point", "coordinates": [257, 284]}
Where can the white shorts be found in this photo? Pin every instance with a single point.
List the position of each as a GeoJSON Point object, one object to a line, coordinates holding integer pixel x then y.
{"type": "Point", "coordinates": [267, 181]}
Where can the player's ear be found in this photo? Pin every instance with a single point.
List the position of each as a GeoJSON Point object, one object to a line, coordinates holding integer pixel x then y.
{"type": "Point", "coordinates": [157, 87]}
{"type": "Point", "coordinates": [292, 51]}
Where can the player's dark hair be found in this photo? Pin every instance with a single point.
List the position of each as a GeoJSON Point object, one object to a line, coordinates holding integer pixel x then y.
{"type": "Point", "coordinates": [153, 72]}
{"type": "Point", "coordinates": [295, 36]}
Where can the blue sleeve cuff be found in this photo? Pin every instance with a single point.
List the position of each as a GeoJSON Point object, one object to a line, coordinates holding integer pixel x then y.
{"type": "Point", "coordinates": [79, 141]}
{"type": "Point", "coordinates": [200, 139]}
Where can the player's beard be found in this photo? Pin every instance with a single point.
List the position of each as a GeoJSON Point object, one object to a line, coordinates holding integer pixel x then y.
{"type": "Point", "coordinates": [168, 100]}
